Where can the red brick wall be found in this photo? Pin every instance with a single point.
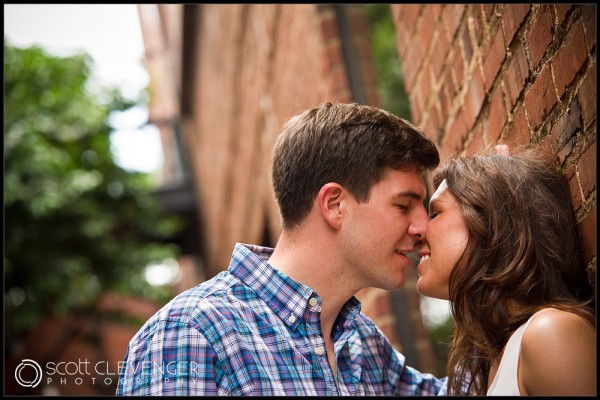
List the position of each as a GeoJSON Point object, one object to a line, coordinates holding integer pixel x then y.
{"type": "Point", "coordinates": [522, 74]}
{"type": "Point", "coordinates": [247, 85]}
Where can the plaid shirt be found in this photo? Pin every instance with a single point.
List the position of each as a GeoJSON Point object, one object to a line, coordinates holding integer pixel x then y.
{"type": "Point", "coordinates": [252, 330]}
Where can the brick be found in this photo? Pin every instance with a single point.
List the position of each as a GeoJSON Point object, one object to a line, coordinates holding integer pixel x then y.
{"type": "Point", "coordinates": [477, 143]}
{"type": "Point", "coordinates": [412, 13]}
{"type": "Point", "coordinates": [540, 34]}
{"type": "Point", "coordinates": [458, 65]}
{"type": "Point", "coordinates": [466, 45]}
{"type": "Point", "coordinates": [425, 84]}
{"type": "Point", "coordinates": [333, 54]}
{"type": "Point", "coordinates": [358, 20]}
{"type": "Point", "coordinates": [565, 150]}
{"type": "Point", "coordinates": [493, 59]}
{"type": "Point", "coordinates": [435, 116]}
{"type": "Point", "coordinates": [587, 97]}
{"type": "Point", "coordinates": [516, 74]}
{"type": "Point", "coordinates": [413, 299]}
{"type": "Point", "coordinates": [540, 99]}
{"type": "Point", "coordinates": [401, 42]}
{"type": "Point", "coordinates": [398, 12]}
{"type": "Point", "coordinates": [569, 58]}
{"type": "Point", "coordinates": [587, 235]}
{"type": "Point", "coordinates": [478, 21]}
{"type": "Point", "coordinates": [428, 125]}
{"type": "Point", "coordinates": [588, 13]}
{"type": "Point", "coordinates": [339, 78]}
{"type": "Point", "coordinates": [513, 17]}
{"type": "Point", "coordinates": [427, 356]}
{"type": "Point", "coordinates": [567, 125]}
{"type": "Point", "coordinates": [454, 136]}
{"type": "Point", "coordinates": [571, 177]}
{"type": "Point", "coordinates": [435, 10]}
{"type": "Point", "coordinates": [380, 304]}
{"type": "Point", "coordinates": [368, 75]}
{"type": "Point", "coordinates": [329, 28]}
{"type": "Point", "coordinates": [425, 34]}
{"type": "Point", "coordinates": [438, 55]}
{"type": "Point", "coordinates": [411, 64]}
{"type": "Point", "coordinates": [373, 98]}
{"type": "Point", "coordinates": [388, 330]}
{"type": "Point", "coordinates": [419, 328]}
{"type": "Point", "coordinates": [451, 17]}
{"type": "Point", "coordinates": [487, 10]}
{"type": "Point", "coordinates": [561, 11]}
{"type": "Point", "coordinates": [416, 105]}
{"type": "Point", "coordinates": [497, 117]}
{"type": "Point", "coordinates": [444, 102]}
{"type": "Point", "coordinates": [473, 98]}
{"type": "Point", "coordinates": [545, 146]}
{"type": "Point", "coordinates": [587, 170]}
{"type": "Point", "coordinates": [519, 134]}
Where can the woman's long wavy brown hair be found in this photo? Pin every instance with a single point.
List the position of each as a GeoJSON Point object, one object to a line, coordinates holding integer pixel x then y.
{"type": "Point", "coordinates": [522, 255]}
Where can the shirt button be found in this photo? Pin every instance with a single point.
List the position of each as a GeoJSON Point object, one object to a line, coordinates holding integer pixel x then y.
{"type": "Point", "coordinates": [292, 319]}
{"type": "Point", "coordinates": [312, 301]}
{"type": "Point", "coordinates": [319, 351]}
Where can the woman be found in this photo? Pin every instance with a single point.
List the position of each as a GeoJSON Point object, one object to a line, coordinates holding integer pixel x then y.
{"type": "Point", "coordinates": [502, 246]}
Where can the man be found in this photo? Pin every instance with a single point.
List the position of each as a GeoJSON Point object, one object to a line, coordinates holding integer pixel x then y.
{"type": "Point", "coordinates": [348, 180]}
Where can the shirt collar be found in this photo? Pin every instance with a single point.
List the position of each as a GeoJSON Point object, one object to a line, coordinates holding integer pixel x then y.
{"type": "Point", "coordinates": [284, 296]}
{"type": "Point", "coordinates": [288, 298]}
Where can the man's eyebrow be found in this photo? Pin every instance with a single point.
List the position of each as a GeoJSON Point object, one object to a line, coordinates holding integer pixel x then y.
{"type": "Point", "coordinates": [409, 194]}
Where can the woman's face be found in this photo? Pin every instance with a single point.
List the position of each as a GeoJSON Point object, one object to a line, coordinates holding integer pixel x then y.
{"type": "Point", "coordinates": [445, 240]}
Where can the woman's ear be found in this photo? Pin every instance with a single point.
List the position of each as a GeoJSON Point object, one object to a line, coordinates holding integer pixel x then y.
{"type": "Point", "coordinates": [330, 201]}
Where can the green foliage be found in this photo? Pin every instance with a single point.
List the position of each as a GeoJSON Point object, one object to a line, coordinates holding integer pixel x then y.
{"type": "Point", "coordinates": [76, 224]}
{"type": "Point", "coordinates": [387, 63]}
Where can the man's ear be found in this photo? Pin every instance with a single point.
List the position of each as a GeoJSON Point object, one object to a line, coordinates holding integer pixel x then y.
{"type": "Point", "coordinates": [329, 200]}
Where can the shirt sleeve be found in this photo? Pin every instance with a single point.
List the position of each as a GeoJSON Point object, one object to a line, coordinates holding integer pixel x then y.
{"type": "Point", "coordinates": [172, 359]}
{"type": "Point", "coordinates": [407, 381]}
{"type": "Point", "coordinates": [415, 383]}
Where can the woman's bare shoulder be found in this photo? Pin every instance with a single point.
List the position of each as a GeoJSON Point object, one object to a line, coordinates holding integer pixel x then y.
{"type": "Point", "coordinates": [553, 317]}
{"type": "Point", "coordinates": [558, 350]}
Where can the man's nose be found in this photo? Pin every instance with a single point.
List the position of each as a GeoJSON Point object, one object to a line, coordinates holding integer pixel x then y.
{"type": "Point", "coordinates": [418, 226]}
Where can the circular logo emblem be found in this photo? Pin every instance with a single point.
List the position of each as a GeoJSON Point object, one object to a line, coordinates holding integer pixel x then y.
{"type": "Point", "coordinates": [28, 364]}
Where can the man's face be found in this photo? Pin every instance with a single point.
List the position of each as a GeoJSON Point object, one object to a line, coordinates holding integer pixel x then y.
{"type": "Point", "coordinates": [378, 235]}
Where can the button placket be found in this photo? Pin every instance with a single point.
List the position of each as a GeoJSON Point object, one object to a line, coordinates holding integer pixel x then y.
{"type": "Point", "coordinates": [317, 342]}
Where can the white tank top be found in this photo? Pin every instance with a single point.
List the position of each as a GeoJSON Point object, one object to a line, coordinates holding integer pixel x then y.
{"type": "Point", "coordinates": [505, 382]}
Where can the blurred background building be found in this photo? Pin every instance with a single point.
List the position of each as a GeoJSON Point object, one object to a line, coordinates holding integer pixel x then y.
{"type": "Point", "coordinates": [224, 78]}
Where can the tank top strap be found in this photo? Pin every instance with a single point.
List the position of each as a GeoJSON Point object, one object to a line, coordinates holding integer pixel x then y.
{"type": "Point", "coordinates": [505, 382]}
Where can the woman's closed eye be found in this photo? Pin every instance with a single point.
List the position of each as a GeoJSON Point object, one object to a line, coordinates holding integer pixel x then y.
{"type": "Point", "coordinates": [433, 214]}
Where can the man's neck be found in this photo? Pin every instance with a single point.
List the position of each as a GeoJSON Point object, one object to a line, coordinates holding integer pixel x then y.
{"type": "Point", "coordinates": [312, 262]}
